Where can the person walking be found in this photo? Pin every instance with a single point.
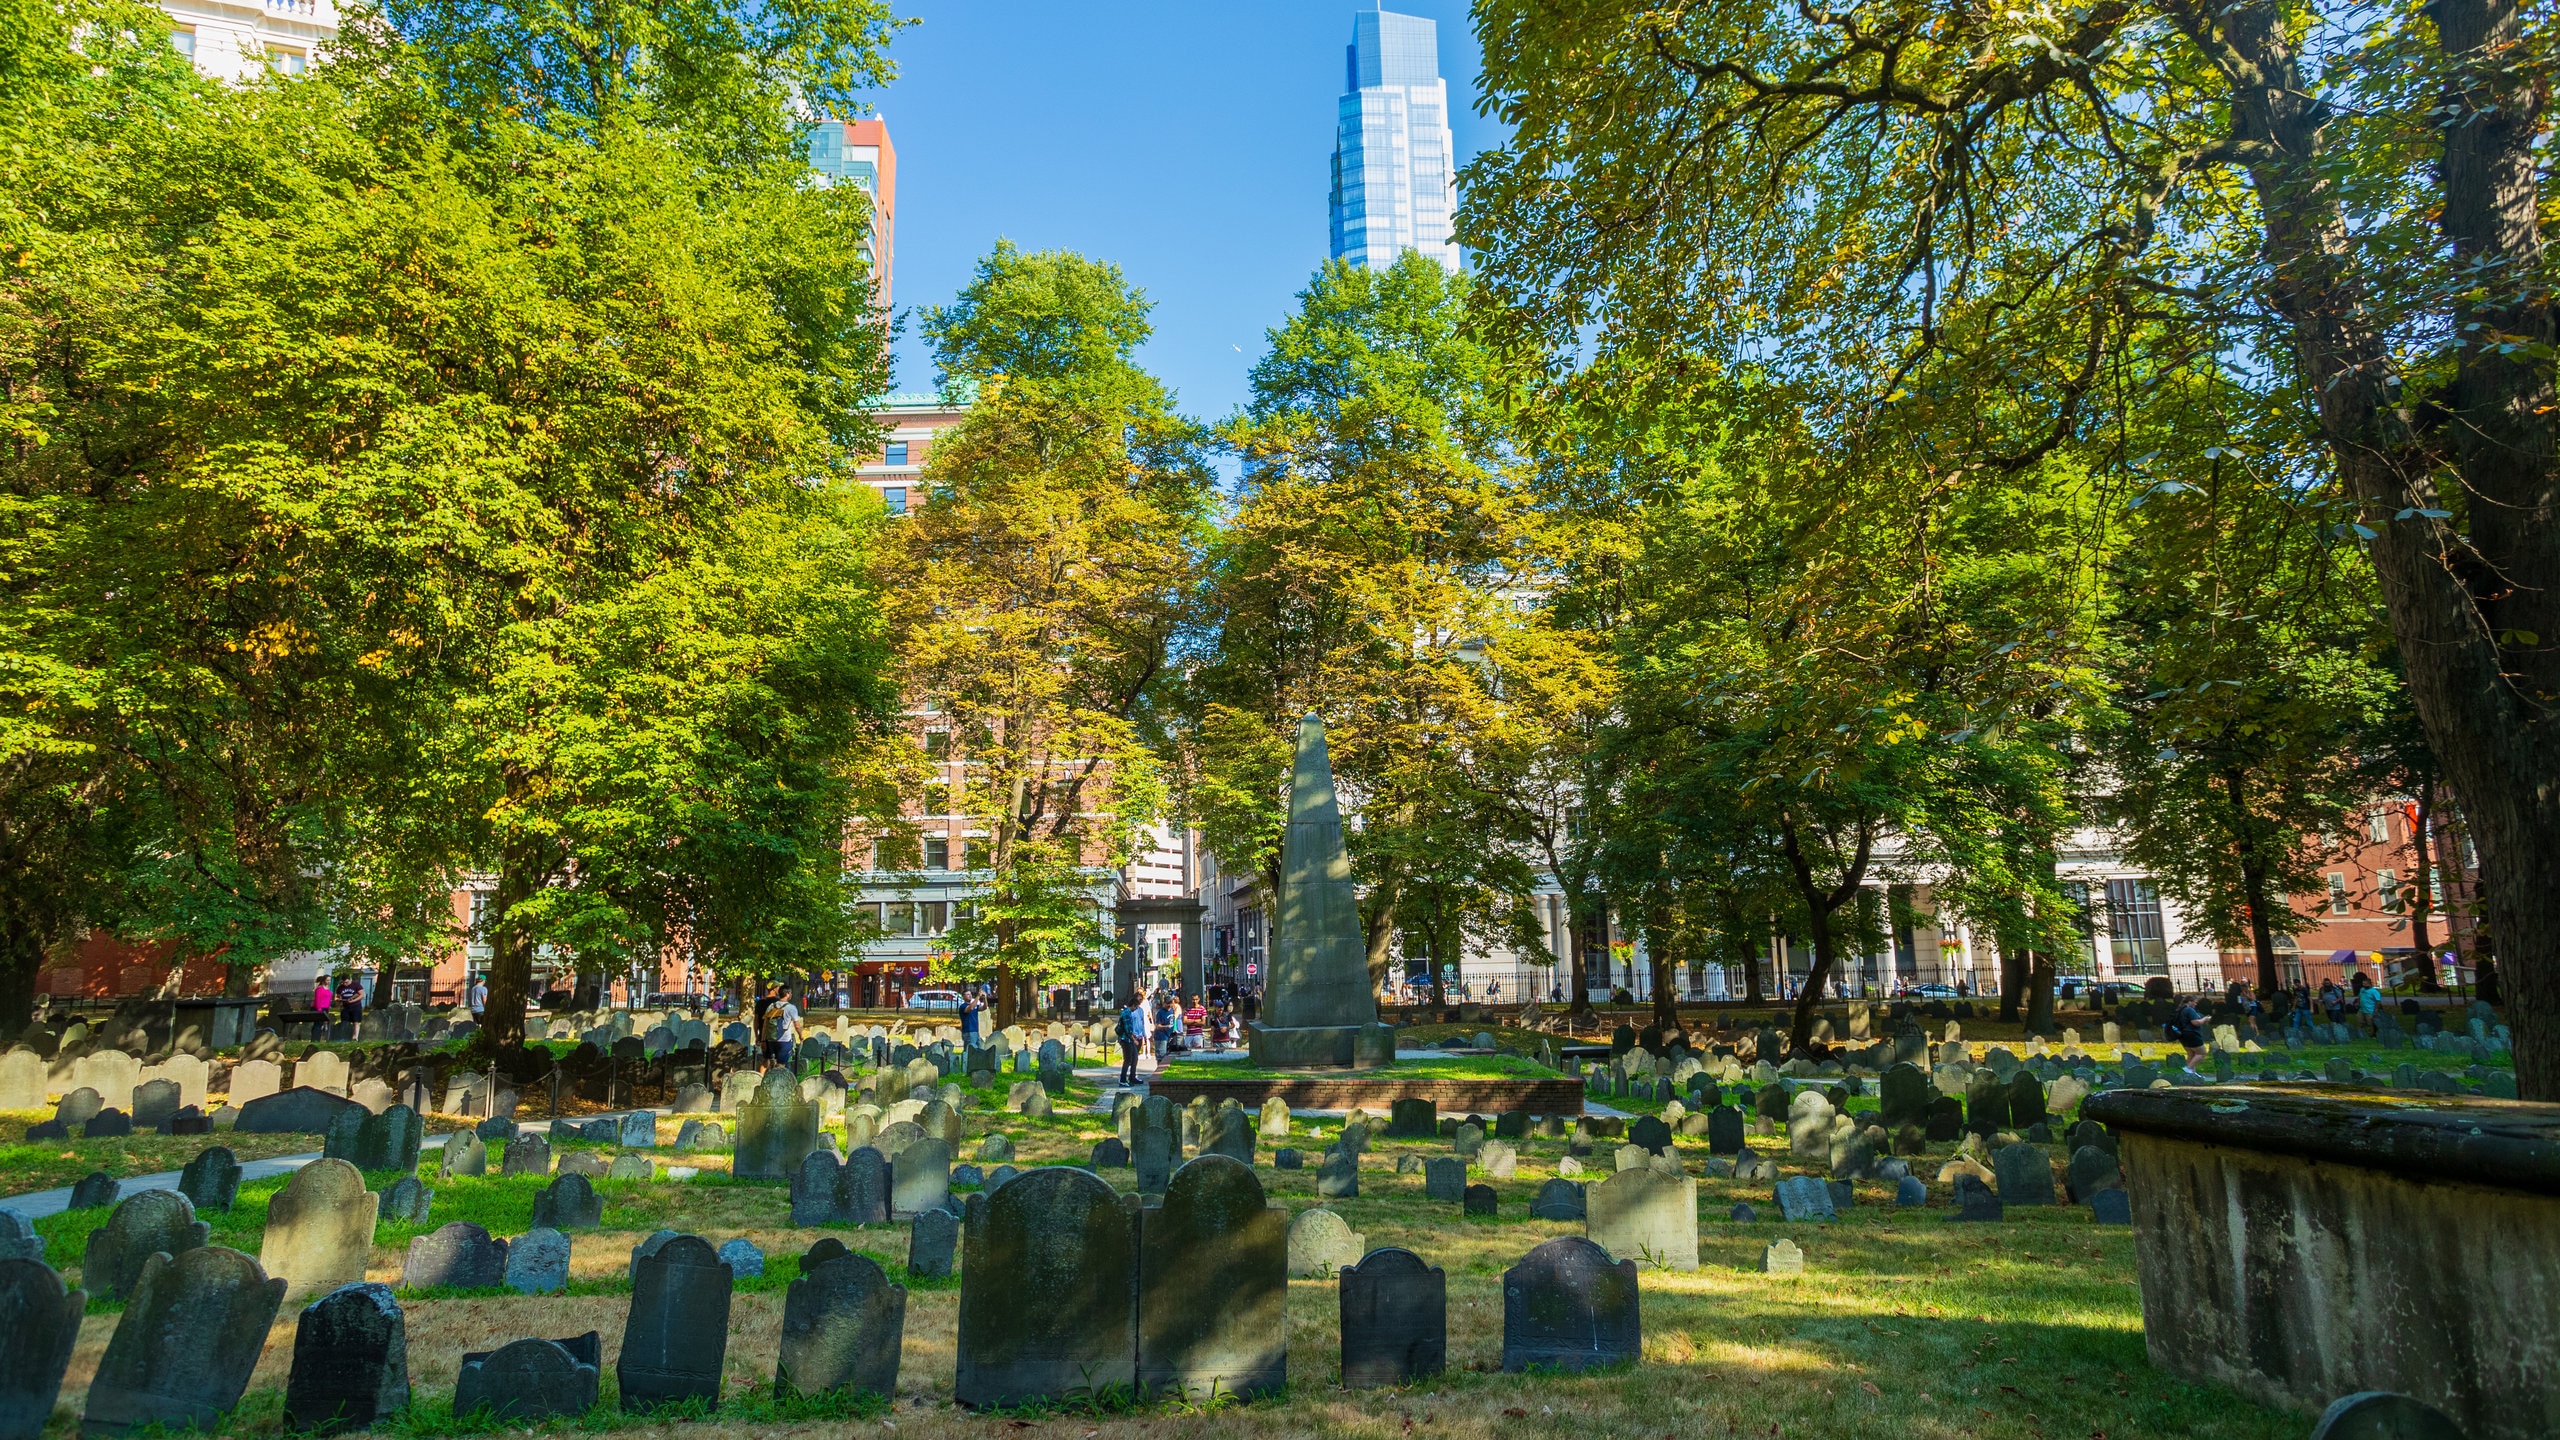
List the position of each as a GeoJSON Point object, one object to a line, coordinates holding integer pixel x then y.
{"type": "Point", "coordinates": [2368, 1001]}
{"type": "Point", "coordinates": [786, 1029]}
{"type": "Point", "coordinates": [1133, 1028]}
{"type": "Point", "coordinates": [323, 999]}
{"type": "Point", "coordinates": [2187, 1028]}
{"type": "Point", "coordinates": [1167, 1023]}
{"type": "Point", "coordinates": [478, 998]}
{"type": "Point", "coordinates": [971, 1004]}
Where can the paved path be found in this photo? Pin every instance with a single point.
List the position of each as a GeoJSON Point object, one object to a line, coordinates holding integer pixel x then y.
{"type": "Point", "coordinates": [40, 1203]}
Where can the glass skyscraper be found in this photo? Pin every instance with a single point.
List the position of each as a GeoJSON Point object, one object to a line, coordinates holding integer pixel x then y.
{"type": "Point", "coordinates": [1395, 180]}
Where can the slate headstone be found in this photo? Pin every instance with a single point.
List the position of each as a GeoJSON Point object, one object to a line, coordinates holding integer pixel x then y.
{"type": "Point", "coordinates": [1395, 1319]}
{"type": "Point", "coordinates": [1566, 1304]}
{"type": "Point", "coordinates": [1560, 1199]}
{"type": "Point", "coordinates": [742, 1257]}
{"type": "Point", "coordinates": [1062, 1235]}
{"type": "Point", "coordinates": [461, 1255]}
{"type": "Point", "coordinates": [1975, 1201]}
{"type": "Point", "coordinates": [569, 1202]}
{"type": "Point", "coordinates": [183, 1350]}
{"type": "Point", "coordinates": [95, 1191]}
{"type": "Point", "coordinates": [40, 1316]}
{"type": "Point", "coordinates": [1911, 1191]}
{"type": "Point", "coordinates": [526, 1155]}
{"type": "Point", "coordinates": [537, 1262]}
{"type": "Point", "coordinates": [920, 1178]}
{"type": "Point", "coordinates": [531, 1379]}
{"type": "Point", "coordinates": [1804, 1197]}
{"type": "Point", "coordinates": [1444, 1178]}
{"type": "Point", "coordinates": [1338, 1175]}
{"type": "Point", "coordinates": [843, 1323]}
{"type": "Point", "coordinates": [2025, 1174]}
{"type": "Point", "coordinates": [677, 1336]}
{"type": "Point", "coordinates": [350, 1361]}
{"type": "Point", "coordinates": [933, 1241]}
{"type": "Point", "coordinates": [465, 1154]}
{"type": "Point", "coordinates": [211, 1180]}
{"type": "Point", "coordinates": [142, 1223]}
{"type": "Point", "coordinates": [2111, 1207]}
{"type": "Point", "coordinates": [1321, 1244]}
{"type": "Point", "coordinates": [1213, 1285]}
{"type": "Point", "coordinates": [2383, 1415]}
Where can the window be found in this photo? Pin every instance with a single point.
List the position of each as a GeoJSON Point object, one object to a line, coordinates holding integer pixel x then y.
{"type": "Point", "coordinates": [937, 853]}
{"type": "Point", "coordinates": [2081, 959]}
{"type": "Point", "coordinates": [937, 744]}
{"type": "Point", "coordinates": [290, 61]}
{"type": "Point", "coordinates": [937, 798]}
{"type": "Point", "coordinates": [2139, 942]}
{"type": "Point", "coordinates": [898, 917]}
{"type": "Point", "coordinates": [184, 38]}
{"type": "Point", "coordinates": [980, 856]}
{"type": "Point", "coordinates": [895, 852]}
{"type": "Point", "coordinates": [895, 497]}
{"type": "Point", "coordinates": [896, 454]}
{"type": "Point", "coordinates": [2338, 894]}
{"type": "Point", "coordinates": [933, 917]}
{"type": "Point", "coordinates": [2378, 825]}
{"type": "Point", "coordinates": [2386, 885]}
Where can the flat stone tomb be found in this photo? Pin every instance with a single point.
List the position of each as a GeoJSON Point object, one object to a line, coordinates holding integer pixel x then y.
{"type": "Point", "coordinates": [350, 1361]}
{"type": "Point", "coordinates": [1213, 1286]}
{"type": "Point", "coordinates": [678, 1331]}
{"type": "Point", "coordinates": [1566, 1304]}
{"type": "Point", "coordinates": [186, 1343]}
{"type": "Point", "coordinates": [843, 1323]}
{"type": "Point", "coordinates": [1395, 1320]}
{"type": "Point", "coordinates": [1048, 1296]}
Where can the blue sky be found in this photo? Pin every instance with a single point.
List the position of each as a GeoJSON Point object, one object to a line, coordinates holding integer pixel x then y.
{"type": "Point", "coordinates": [1189, 143]}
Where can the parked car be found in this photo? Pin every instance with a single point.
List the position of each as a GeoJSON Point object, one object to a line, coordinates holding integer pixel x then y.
{"type": "Point", "coordinates": [934, 1000]}
{"type": "Point", "coordinates": [1933, 992]}
{"type": "Point", "coordinates": [680, 1000]}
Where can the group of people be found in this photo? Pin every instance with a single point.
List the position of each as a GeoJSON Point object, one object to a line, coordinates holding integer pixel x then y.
{"type": "Point", "coordinates": [1164, 1027]}
{"type": "Point", "coordinates": [2300, 1007]}
{"type": "Point", "coordinates": [341, 998]}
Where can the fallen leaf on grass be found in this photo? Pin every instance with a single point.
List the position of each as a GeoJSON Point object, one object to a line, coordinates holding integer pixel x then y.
{"type": "Point", "coordinates": [1870, 1387]}
{"type": "Point", "coordinates": [1515, 1412]}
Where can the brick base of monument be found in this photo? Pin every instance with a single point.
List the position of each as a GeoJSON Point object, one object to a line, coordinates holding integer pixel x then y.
{"type": "Point", "coordinates": [1368, 1090]}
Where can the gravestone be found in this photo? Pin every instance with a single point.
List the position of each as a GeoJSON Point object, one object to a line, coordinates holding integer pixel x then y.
{"type": "Point", "coordinates": [405, 1201]}
{"type": "Point", "coordinates": [322, 1070]}
{"type": "Point", "coordinates": [817, 1194]}
{"type": "Point", "coordinates": [1338, 1175]}
{"type": "Point", "coordinates": [1782, 1257]}
{"type": "Point", "coordinates": [183, 1350]}
{"type": "Point", "coordinates": [78, 1107]}
{"type": "Point", "coordinates": [460, 1255]}
{"type": "Point", "coordinates": [526, 1155]}
{"type": "Point", "coordinates": [678, 1332]}
{"type": "Point", "coordinates": [920, 1178]}
{"type": "Point", "coordinates": [350, 1361]}
{"type": "Point", "coordinates": [1321, 1244]}
{"type": "Point", "coordinates": [1567, 1305]}
{"type": "Point", "coordinates": [1048, 1299]}
{"type": "Point", "coordinates": [1804, 1197]}
{"type": "Point", "coordinates": [2111, 1207]}
{"type": "Point", "coordinates": [41, 1318]}
{"type": "Point", "coordinates": [705, 1135]}
{"type": "Point", "coordinates": [1974, 1200]}
{"type": "Point", "coordinates": [1231, 1134]}
{"type": "Point", "coordinates": [1213, 1285]}
{"type": "Point", "coordinates": [1155, 1143]}
{"type": "Point", "coordinates": [18, 1239]}
{"type": "Point", "coordinates": [1647, 1216]}
{"type": "Point", "coordinates": [22, 1080]}
{"type": "Point", "coordinates": [1724, 1130]}
{"type": "Point", "coordinates": [1560, 1199]}
{"type": "Point", "coordinates": [155, 1104]}
{"type": "Point", "coordinates": [1110, 1154]}
{"type": "Point", "coordinates": [1911, 1192]}
{"type": "Point", "coordinates": [1444, 1178]}
{"type": "Point", "coordinates": [388, 1141]}
{"type": "Point", "coordinates": [996, 1148]}
{"type": "Point", "coordinates": [1480, 1202]}
{"type": "Point", "coordinates": [465, 1154]}
{"type": "Point", "coordinates": [843, 1323]}
{"type": "Point", "coordinates": [1318, 1008]}
{"type": "Point", "coordinates": [1905, 1093]}
{"type": "Point", "coordinates": [537, 1262]}
{"type": "Point", "coordinates": [2091, 1171]}
{"type": "Point", "coordinates": [584, 1163]}
{"type": "Point", "coordinates": [1413, 1120]}
{"type": "Point", "coordinates": [895, 1136]}
{"type": "Point", "coordinates": [742, 1257]}
{"type": "Point", "coordinates": [1498, 1160]}
{"type": "Point", "coordinates": [319, 1230]}
{"type": "Point", "coordinates": [1395, 1320]}
{"type": "Point", "coordinates": [107, 1124]}
{"type": "Point", "coordinates": [1274, 1121]}
{"type": "Point", "coordinates": [144, 1222]}
{"type": "Point", "coordinates": [94, 1192]}
{"type": "Point", "coordinates": [776, 1130]}
{"type": "Point", "coordinates": [2025, 1173]}
{"type": "Point", "coordinates": [569, 1202]}
{"type": "Point", "coordinates": [1651, 1133]}
{"type": "Point", "coordinates": [211, 1180]}
{"type": "Point", "coordinates": [630, 1167]}
{"type": "Point", "coordinates": [932, 1242]}
{"type": "Point", "coordinates": [863, 1187]}
{"type": "Point", "coordinates": [531, 1379]}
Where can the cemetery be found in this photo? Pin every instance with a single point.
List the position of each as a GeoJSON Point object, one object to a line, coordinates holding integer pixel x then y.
{"type": "Point", "coordinates": [1924, 1225]}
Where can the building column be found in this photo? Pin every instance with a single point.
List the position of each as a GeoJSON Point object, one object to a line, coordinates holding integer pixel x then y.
{"type": "Point", "coordinates": [1192, 980]}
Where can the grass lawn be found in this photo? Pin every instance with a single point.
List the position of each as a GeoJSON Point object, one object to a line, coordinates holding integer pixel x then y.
{"type": "Point", "coordinates": [51, 1164]}
{"type": "Point", "coordinates": [1426, 1066]}
{"type": "Point", "coordinates": [1904, 1326]}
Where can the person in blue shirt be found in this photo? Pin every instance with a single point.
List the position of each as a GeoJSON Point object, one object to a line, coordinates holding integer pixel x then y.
{"type": "Point", "coordinates": [1133, 1028]}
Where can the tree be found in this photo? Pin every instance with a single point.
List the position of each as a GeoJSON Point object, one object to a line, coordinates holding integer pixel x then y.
{"type": "Point", "coordinates": [1044, 576]}
{"type": "Point", "coordinates": [2022, 205]}
{"type": "Point", "coordinates": [1382, 567]}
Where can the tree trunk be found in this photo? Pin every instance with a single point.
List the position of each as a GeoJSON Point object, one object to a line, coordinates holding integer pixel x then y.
{"type": "Point", "coordinates": [1752, 994]}
{"type": "Point", "coordinates": [522, 871]}
{"type": "Point", "coordinates": [2013, 978]}
{"type": "Point", "coordinates": [2262, 933]}
{"type": "Point", "coordinates": [1661, 967]}
{"type": "Point", "coordinates": [2040, 992]}
{"type": "Point", "coordinates": [22, 953]}
{"type": "Point", "coordinates": [2476, 612]}
{"type": "Point", "coordinates": [236, 979]}
{"type": "Point", "coordinates": [1380, 922]}
{"type": "Point", "coordinates": [2422, 890]}
{"type": "Point", "coordinates": [1006, 1012]}
{"type": "Point", "coordinates": [1820, 904]}
{"type": "Point", "coordinates": [1578, 1003]}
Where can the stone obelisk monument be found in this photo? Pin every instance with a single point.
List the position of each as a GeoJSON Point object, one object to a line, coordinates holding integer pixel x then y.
{"type": "Point", "coordinates": [1318, 1011]}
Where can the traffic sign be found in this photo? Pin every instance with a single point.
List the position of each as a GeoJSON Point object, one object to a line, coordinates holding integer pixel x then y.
{"type": "Point", "coordinates": [1251, 968]}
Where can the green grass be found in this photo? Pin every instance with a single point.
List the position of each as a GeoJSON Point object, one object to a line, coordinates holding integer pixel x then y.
{"type": "Point", "coordinates": [1434, 1067]}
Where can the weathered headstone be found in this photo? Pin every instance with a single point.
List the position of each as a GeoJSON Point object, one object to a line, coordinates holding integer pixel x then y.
{"type": "Point", "coordinates": [537, 1262]}
{"type": "Point", "coordinates": [843, 1323]}
{"type": "Point", "coordinates": [1395, 1320]}
{"type": "Point", "coordinates": [460, 1255]}
{"type": "Point", "coordinates": [2383, 1415]}
{"type": "Point", "coordinates": [1444, 1178]}
{"type": "Point", "coordinates": [776, 1130]}
{"type": "Point", "coordinates": [95, 1191]}
{"type": "Point", "coordinates": [183, 1350]}
{"type": "Point", "coordinates": [1974, 1200]}
{"type": "Point", "coordinates": [465, 1154]}
{"type": "Point", "coordinates": [1646, 1216]}
{"type": "Point", "coordinates": [1804, 1197]}
{"type": "Point", "coordinates": [1213, 1285]}
{"type": "Point", "coordinates": [1322, 1243]}
{"type": "Point", "coordinates": [211, 1180]}
{"type": "Point", "coordinates": [932, 1242]}
{"type": "Point", "coordinates": [1782, 1257]}
{"type": "Point", "coordinates": [1911, 1192]}
{"type": "Point", "coordinates": [2091, 1171]}
{"type": "Point", "coordinates": [143, 1222]}
{"type": "Point", "coordinates": [1048, 1298]}
{"type": "Point", "coordinates": [678, 1333]}
{"type": "Point", "coordinates": [405, 1201]}
{"type": "Point", "coordinates": [531, 1379]}
{"type": "Point", "coordinates": [1567, 1305]}
{"type": "Point", "coordinates": [319, 1230]}
{"type": "Point", "coordinates": [1560, 1199]}
{"type": "Point", "coordinates": [18, 1239]}
{"type": "Point", "coordinates": [569, 1202]}
{"type": "Point", "coordinates": [350, 1361]}
{"type": "Point", "coordinates": [1338, 1175]}
{"type": "Point", "coordinates": [920, 1178]}
{"type": "Point", "coordinates": [22, 1081]}
{"type": "Point", "coordinates": [2025, 1173]}
{"type": "Point", "coordinates": [742, 1257]}
{"type": "Point", "coordinates": [526, 1155]}
{"type": "Point", "coordinates": [1274, 1120]}
{"type": "Point", "coordinates": [40, 1317]}
{"type": "Point", "coordinates": [1413, 1119]}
